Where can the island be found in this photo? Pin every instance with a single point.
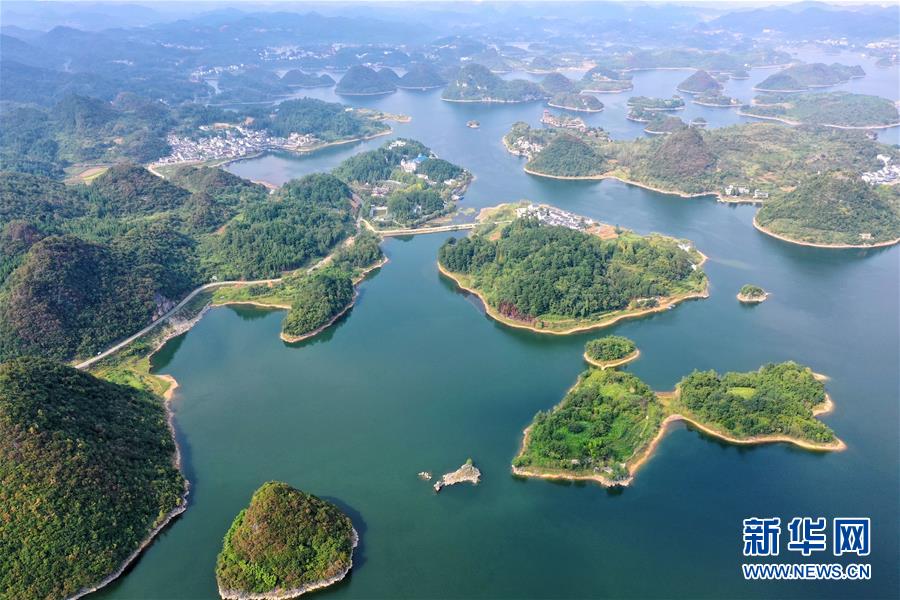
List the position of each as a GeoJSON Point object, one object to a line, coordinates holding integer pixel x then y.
{"type": "Point", "coordinates": [752, 294]}
{"type": "Point", "coordinates": [716, 100]}
{"type": "Point", "coordinates": [364, 81]}
{"type": "Point", "coordinates": [284, 544]}
{"type": "Point", "coordinates": [759, 163]}
{"type": "Point", "coordinates": [81, 501]}
{"type": "Point", "coordinates": [649, 104]}
{"type": "Point", "coordinates": [610, 351]}
{"type": "Point", "coordinates": [473, 124]}
{"type": "Point", "coordinates": [404, 185]}
{"type": "Point", "coordinates": [602, 80]}
{"type": "Point", "coordinates": [802, 77]}
{"type": "Point", "coordinates": [840, 110]}
{"type": "Point", "coordinates": [421, 76]}
{"type": "Point", "coordinates": [609, 274]}
{"type": "Point", "coordinates": [608, 425]}
{"type": "Point", "coordinates": [830, 211]}
{"type": "Point", "coordinates": [700, 82]}
{"type": "Point", "coordinates": [467, 473]}
{"type": "Point", "coordinates": [576, 102]}
{"type": "Point", "coordinates": [476, 83]}
{"type": "Point", "coordinates": [302, 79]}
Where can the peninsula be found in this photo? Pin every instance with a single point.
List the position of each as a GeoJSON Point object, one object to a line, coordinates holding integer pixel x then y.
{"type": "Point", "coordinates": [610, 422]}
{"type": "Point", "coordinates": [839, 110]}
{"type": "Point", "coordinates": [284, 544]}
{"type": "Point", "coordinates": [610, 274]}
{"type": "Point", "coordinates": [802, 77]}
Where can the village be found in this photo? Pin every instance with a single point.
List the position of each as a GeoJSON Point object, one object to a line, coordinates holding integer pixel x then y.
{"type": "Point", "coordinates": [888, 174]}
{"type": "Point", "coordinates": [549, 215]}
{"type": "Point", "coordinates": [226, 142]}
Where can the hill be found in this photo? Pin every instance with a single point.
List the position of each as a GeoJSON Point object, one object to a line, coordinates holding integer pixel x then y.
{"type": "Point", "coordinates": [576, 102]}
{"type": "Point", "coordinates": [568, 156]}
{"type": "Point", "coordinates": [87, 472]}
{"type": "Point", "coordinates": [825, 209]}
{"type": "Point", "coordinates": [557, 83]}
{"type": "Point", "coordinates": [800, 78]}
{"type": "Point", "coordinates": [605, 80]}
{"type": "Point", "coordinates": [700, 82]}
{"type": "Point", "coordinates": [421, 76]}
{"type": "Point", "coordinates": [476, 83]}
{"type": "Point", "coordinates": [298, 78]}
{"type": "Point", "coordinates": [284, 543]}
{"type": "Point", "coordinates": [327, 121]}
{"type": "Point", "coordinates": [363, 81]}
{"type": "Point", "coordinates": [836, 109]}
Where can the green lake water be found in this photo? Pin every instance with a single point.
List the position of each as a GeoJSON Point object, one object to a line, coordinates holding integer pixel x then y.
{"type": "Point", "coordinates": [416, 377]}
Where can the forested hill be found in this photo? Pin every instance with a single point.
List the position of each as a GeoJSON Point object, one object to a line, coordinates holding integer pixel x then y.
{"type": "Point", "coordinates": [84, 266]}
{"type": "Point", "coordinates": [86, 471]}
{"type": "Point", "coordinates": [476, 83]}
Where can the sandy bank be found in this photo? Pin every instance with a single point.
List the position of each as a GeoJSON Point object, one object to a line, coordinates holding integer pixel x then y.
{"type": "Point", "coordinates": [611, 364]}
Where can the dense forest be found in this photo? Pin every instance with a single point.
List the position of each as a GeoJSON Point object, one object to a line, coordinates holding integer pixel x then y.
{"type": "Point", "coordinates": [283, 540]}
{"type": "Point", "coordinates": [86, 471]}
{"type": "Point", "coordinates": [299, 78]}
{"type": "Point", "coordinates": [700, 82]}
{"type": "Point", "coordinates": [606, 419]}
{"type": "Point", "coordinates": [328, 121]}
{"type": "Point", "coordinates": [421, 76]}
{"type": "Point", "coordinates": [536, 273]}
{"type": "Point", "coordinates": [568, 156]}
{"type": "Point", "coordinates": [609, 348]}
{"type": "Point", "coordinates": [317, 299]}
{"type": "Point", "coordinates": [826, 108]}
{"type": "Point", "coordinates": [776, 400]}
{"type": "Point", "coordinates": [476, 83]}
{"type": "Point", "coordinates": [377, 165]}
{"type": "Point", "coordinates": [827, 209]}
{"type": "Point", "coordinates": [364, 81]}
{"type": "Point", "coordinates": [577, 102]}
{"type": "Point", "coordinates": [801, 77]}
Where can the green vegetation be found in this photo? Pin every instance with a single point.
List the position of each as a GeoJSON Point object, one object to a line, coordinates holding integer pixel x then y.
{"type": "Point", "coordinates": [602, 79]}
{"type": "Point", "coordinates": [328, 121]}
{"type": "Point", "coordinates": [476, 83]}
{"type": "Point", "coordinates": [575, 101]}
{"type": "Point", "coordinates": [318, 299]}
{"type": "Point", "coordinates": [86, 472]}
{"type": "Point", "coordinates": [825, 209]}
{"type": "Point", "coordinates": [552, 277]}
{"type": "Point", "coordinates": [604, 422]}
{"type": "Point", "coordinates": [363, 81]}
{"type": "Point", "coordinates": [298, 78]}
{"type": "Point", "coordinates": [568, 156]}
{"type": "Point", "coordinates": [700, 82]}
{"type": "Point", "coordinates": [284, 540]}
{"type": "Point", "coordinates": [662, 124]}
{"type": "Point", "coordinates": [557, 83]}
{"type": "Point", "coordinates": [799, 78]}
{"type": "Point", "coordinates": [609, 348]}
{"type": "Point", "coordinates": [779, 399]}
{"type": "Point", "coordinates": [732, 61]}
{"type": "Point", "coordinates": [716, 99]}
{"type": "Point", "coordinates": [653, 104]}
{"type": "Point", "coordinates": [378, 165]}
{"type": "Point", "coordinates": [841, 109]}
{"type": "Point", "coordinates": [752, 292]}
{"type": "Point", "coordinates": [421, 76]}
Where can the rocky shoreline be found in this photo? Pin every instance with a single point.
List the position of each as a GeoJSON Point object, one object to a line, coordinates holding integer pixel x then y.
{"type": "Point", "coordinates": [468, 472]}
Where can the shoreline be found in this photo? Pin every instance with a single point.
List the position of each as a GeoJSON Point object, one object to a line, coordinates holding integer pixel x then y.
{"type": "Point", "coordinates": [743, 113]}
{"type": "Point", "coordinates": [642, 457]}
{"type": "Point", "coordinates": [584, 110]}
{"type": "Point", "coordinates": [629, 182]}
{"type": "Point", "coordinates": [492, 101]}
{"type": "Point", "coordinates": [280, 594]}
{"type": "Point", "coordinates": [818, 245]}
{"type": "Point", "coordinates": [610, 364]}
{"type": "Point", "coordinates": [711, 105]}
{"type": "Point", "coordinates": [752, 299]}
{"type": "Point", "coordinates": [670, 301]}
{"type": "Point", "coordinates": [157, 528]}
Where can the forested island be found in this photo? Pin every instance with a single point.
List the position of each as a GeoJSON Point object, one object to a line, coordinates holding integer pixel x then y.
{"type": "Point", "coordinates": [649, 104]}
{"type": "Point", "coordinates": [576, 102]}
{"type": "Point", "coordinates": [700, 82]}
{"type": "Point", "coordinates": [299, 78]}
{"type": "Point", "coordinates": [716, 100]}
{"type": "Point", "coordinates": [88, 472]}
{"type": "Point", "coordinates": [830, 109]}
{"type": "Point", "coordinates": [802, 77]}
{"type": "Point", "coordinates": [607, 278]}
{"type": "Point", "coordinates": [610, 351]}
{"type": "Point", "coordinates": [364, 81]}
{"type": "Point", "coordinates": [476, 83]}
{"type": "Point", "coordinates": [602, 80]}
{"type": "Point", "coordinates": [752, 294]}
{"type": "Point", "coordinates": [421, 76]}
{"type": "Point", "coordinates": [758, 162]}
{"type": "Point", "coordinates": [609, 423]}
{"type": "Point", "coordinates": [284, 544]}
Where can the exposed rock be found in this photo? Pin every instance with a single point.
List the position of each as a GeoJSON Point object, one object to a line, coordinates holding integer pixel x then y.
{"type": "Point", "coordinates": [468, 472]}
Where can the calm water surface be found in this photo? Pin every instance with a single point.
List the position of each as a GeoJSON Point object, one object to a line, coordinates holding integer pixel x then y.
{"type": "Point", "coordinates": [417, 378]}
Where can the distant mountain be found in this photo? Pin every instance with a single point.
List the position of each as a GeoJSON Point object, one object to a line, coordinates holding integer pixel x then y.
{"type": "Point", "coordinates": [814, 22]}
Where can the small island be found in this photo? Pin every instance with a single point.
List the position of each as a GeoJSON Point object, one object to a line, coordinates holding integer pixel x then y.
{"type": "Point", "coordinates": [610, 422]}
{"type": "Point", "coordinates": [610, 274]}
{"type": "Point", "coordinates": [752, 294]}
{"type": "Point", "coordinates": [284, 544]}
{"type": "Point", "coordinates": [610, 351]}
{"type": "Point", "coordinates": [601, 80]}
{"type": "Point", "coordinates": [576, 102]}
{"type": "Point", "coordinates": [473, 124]}
{"type": "Point", "coordinates": [701, 82]}
{"type": "Point", "coordinates": [467, 473]}
{"type": "Point", "coordinates": [363, 81]}
{"type": "Point", "coordinates": [476, 83]}
{"type": "Point", "coordinates": [716, 100]}
{"type": "Point", "coordinates": [649, 104]}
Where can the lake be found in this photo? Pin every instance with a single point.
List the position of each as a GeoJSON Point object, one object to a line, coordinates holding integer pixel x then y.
{"type": "Point", "coordinates": [416, 377]}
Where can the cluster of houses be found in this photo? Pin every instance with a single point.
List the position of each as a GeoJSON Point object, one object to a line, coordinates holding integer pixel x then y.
{"type": "Point", "coordinates": [410, 166]}
{"type": "Point", "coordinates": [563, 121]}
{"type": "Point", "coordinates": [228, 142]}
{"type": "Point", "coordinates": [549, 215]}
{"type": "Point", "coordinates": [736, 191]}
{"type": "Point", "coordinates": [888, 174]}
